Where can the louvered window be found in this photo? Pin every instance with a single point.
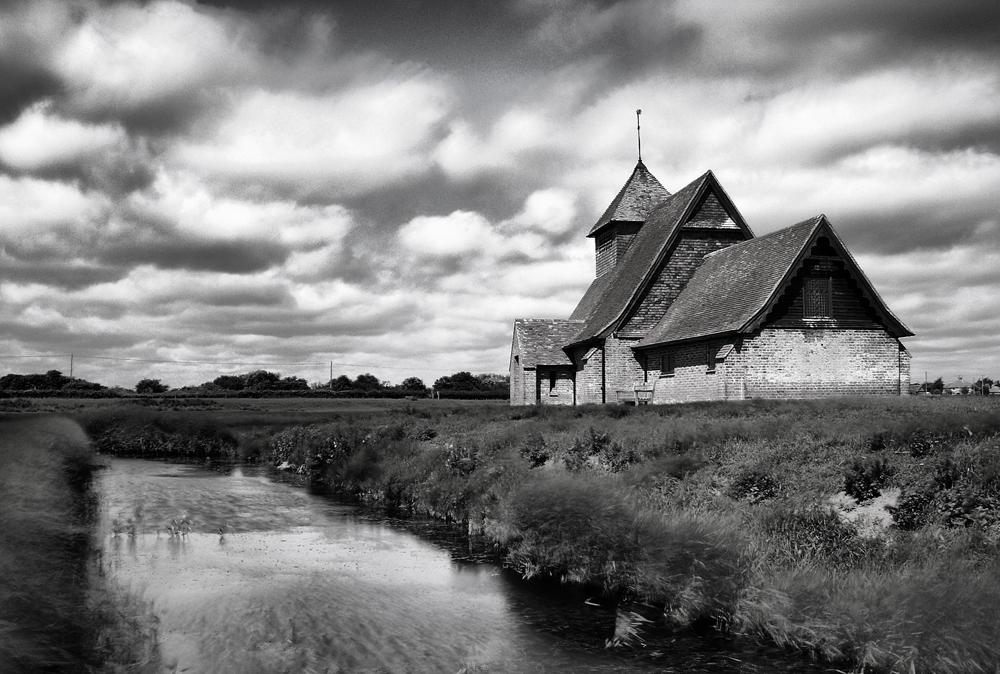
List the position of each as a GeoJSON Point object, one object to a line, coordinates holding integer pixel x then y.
{"type": "Point", "coordinates": [818, 298]}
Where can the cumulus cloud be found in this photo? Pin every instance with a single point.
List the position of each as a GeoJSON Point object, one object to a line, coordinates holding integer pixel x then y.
{"type": "Point", "coordinates": [389, 184]}
{"type": "Point", "coordinates": [361, 139]}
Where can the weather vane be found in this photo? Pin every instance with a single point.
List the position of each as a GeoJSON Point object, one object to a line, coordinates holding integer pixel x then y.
{"type": "Point", "coordinates": [637, 134]}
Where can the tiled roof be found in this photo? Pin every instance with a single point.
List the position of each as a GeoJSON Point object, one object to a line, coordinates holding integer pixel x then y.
{"type": "Point", "coordinates": [541, 340]}
{"type": "Point", "coordinates": [732, 286]}
{"type": "Point", "coordinates": [642, 257]}
{"type": "Point", "coordinates": [588, 303]}
{"type": "Point", "coordinates": [640, 194]}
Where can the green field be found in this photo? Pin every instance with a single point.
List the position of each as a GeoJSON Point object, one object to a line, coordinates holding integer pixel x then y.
{"type": "Point", "coordinates": [864, 531]}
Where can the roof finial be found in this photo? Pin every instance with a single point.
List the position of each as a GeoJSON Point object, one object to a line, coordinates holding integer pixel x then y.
{"type": "Point", "coordinates": [637, 134]}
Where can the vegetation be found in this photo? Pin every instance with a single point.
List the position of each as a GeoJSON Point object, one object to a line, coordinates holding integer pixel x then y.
{"type": "Point", "coordinates": [762, 519]}
{"type": "Point", "coordinates": [56, 614]}
{"type": "Point", "coordinates": [862, 531]}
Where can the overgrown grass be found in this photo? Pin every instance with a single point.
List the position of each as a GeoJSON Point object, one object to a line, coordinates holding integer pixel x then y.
{"type": "Point", "coordinates": [44, 468]}
{"type": "Point", "coordinates": [53, 618]}
{"type": "Point", "coordinates": [749, 517]}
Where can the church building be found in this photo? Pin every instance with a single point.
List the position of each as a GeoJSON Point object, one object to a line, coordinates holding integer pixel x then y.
{"type": "Point", "coordinates": [688, 305]}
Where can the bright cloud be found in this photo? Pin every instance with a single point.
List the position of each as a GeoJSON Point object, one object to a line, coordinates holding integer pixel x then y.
{"type": "Point", "coordinates": [367, 183]}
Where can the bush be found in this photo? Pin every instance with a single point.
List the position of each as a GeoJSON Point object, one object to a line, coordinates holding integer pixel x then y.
{"type": "Point", "coordinates": [865, 478]}
{"type": "Point", "coordinates": [150, 386]}
{"type": "Point", "coordinates": [533, 449]}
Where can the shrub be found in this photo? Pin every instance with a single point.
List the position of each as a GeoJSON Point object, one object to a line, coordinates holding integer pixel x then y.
{"type": "Point", "coordinates": [533, 449]}
{"type": "Point", "coordinates": [865, 477]}
{"type": "Point", "coordinates": [911, 510]}
{"type": "Point", "coordinates": [754, 486]}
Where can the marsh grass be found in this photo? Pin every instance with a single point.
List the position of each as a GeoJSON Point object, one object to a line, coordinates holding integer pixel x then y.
{"type": "Point", "coordinates": [716, 513]}
{"type": "Point", "coordinates": [44, 470]}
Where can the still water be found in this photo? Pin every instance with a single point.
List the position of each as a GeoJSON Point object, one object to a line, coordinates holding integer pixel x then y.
{"type": "Point", "coordinates": [247, 574]}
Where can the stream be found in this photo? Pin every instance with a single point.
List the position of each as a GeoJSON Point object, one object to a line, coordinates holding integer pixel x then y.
{"type": "Point", "coordinates": [250, 574]}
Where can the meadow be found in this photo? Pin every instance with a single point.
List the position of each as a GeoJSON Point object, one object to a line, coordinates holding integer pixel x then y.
{"type": "Point", "coordinates": [862, 531]}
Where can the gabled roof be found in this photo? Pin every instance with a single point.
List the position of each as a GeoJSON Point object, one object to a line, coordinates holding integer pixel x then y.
{"type": "Point", "coordinates": [736, 287]}
{"type": "Point", "coordinates": [649, 247]}
{"type": "Point", "coordinates": [540, 340]}
{"type": "Point", "coordinates": [640, 194]}
{"type": "Point", "coordinates": [588, 303]}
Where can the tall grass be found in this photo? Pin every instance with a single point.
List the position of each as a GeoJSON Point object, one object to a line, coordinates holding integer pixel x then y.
{"type": "Point", "coordinates": [57, 613]}
{"type": "Point", "coordinates": [44, 470]}
{"type": "Point", "coordinates": [715, 513]}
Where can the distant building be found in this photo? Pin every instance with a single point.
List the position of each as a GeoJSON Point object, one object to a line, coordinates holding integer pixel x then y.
{"type": "Point", "coordinates": [957, 387]}
{"type": "Point", "coordinates": [688, 304]}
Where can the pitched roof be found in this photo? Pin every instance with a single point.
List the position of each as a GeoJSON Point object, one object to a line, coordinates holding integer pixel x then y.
{"type": "Point", "coordinates": [644, 256]}
{"type": "Point", "coordinates": [541, 339]}
{"type": "Point", "coordinates": [735, 287]}
{"type": "Point", "coordinates": [640, 194]}
{"type": "Point", "coordinates": [588, 303]}
{"type": "Point", "coordinates": [731, 286]}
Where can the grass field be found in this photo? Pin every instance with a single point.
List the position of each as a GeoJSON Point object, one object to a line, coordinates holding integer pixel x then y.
{"type": "Point", "coordinates": [864, 531]}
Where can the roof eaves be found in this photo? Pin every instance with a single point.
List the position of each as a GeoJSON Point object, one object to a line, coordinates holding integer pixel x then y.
{"type": "Point", "coordinates": [868, 287]}
{"type": "Point", "coordinates": [751, 323]}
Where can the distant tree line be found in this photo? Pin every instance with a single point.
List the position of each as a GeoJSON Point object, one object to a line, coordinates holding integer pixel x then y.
{"type": "Point", "coordinates": [262, 383]}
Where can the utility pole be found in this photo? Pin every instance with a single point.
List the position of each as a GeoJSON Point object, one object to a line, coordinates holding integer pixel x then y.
{"type": "Point", "coordinates": [331, 375]}
{"type": "Point", "coordinates": [70, 366]}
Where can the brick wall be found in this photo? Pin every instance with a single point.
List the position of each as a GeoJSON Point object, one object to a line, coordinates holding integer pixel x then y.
{"type": "Point", "coordinates": [779, 363]}
{"type": "Point", "coordinates": [556, 386]}
{"type": "Point", "coordinates": [517, 393]}
{"type": "Point", "coordinates": [904, 371]}
{"type": "Point", "coordinates": [589, 375]}
{"type": "Point", "coordinates": [622, 368]}
{"type": "Point", "coordinates": [612, 243]}
{"type": "Point", "coordinates": [692, 379]}
{"type": "Point", "coordinates": [691, 248]}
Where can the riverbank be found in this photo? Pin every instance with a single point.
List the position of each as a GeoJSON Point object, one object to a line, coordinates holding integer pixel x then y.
{"type": "Point", "coordinates": [759, 519]}
{"type": "Point", "coordinates": [55, 615]}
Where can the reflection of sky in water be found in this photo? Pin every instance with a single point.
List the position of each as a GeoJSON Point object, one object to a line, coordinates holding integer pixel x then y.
{"type": "Point", "coordinates": [299, 583]}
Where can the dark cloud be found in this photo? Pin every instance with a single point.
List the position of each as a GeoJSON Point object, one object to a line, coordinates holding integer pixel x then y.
{"type": "Point", "coordinates": [57, 275]}
{"type": "Point", "coordinates": [22, 84]}
{"type": "Point", "coordinates": [113, 173]}
{"type": "Point", "coordinates": [233, 257]}
{"type": "Point", "coordinates": [926, 27]}
{"type": "Point", "coordinates": [921, 226]}
{"type": "Point", "coordinates": [61, 338]}
{"type": "Point", "coordinates": [288, 323]}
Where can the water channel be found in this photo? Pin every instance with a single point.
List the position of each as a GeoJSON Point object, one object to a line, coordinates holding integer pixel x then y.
{"type": "Point", "coordinates": [248, 574]}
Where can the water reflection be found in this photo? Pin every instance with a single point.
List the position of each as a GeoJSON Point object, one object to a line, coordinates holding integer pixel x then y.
{"type": "Point", "coordinates": [272, 579]}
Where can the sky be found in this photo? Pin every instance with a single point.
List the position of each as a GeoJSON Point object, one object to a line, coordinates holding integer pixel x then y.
{"type": "Point", "coordinates": [193, 189]}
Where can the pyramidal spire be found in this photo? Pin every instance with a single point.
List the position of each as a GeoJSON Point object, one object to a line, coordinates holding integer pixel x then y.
{"type": "Point", "coordinates": [640, 194]}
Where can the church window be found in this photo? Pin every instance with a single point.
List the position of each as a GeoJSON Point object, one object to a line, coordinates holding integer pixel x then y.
{"type": "Point", "coordinates": [818, 298]}
{"type": "Point", "coordinates": [710, 360]}
{"type": "Point", "coordinates": [552, 381]}
{"type": "Point", "coordinates": [668, 364]}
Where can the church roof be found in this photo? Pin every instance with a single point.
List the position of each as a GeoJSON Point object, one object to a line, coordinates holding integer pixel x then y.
{"type": "Point", "coordinates": [540, 340]}
{"type": "Point", "coordinates": [640, 194]}
{"type": "Point", "coordinates": [607, 301]}
{"type": "Point", "coordinates": [733, 290]}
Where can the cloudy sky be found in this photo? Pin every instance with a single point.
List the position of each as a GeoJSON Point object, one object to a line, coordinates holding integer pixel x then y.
{"type": "Point", "coordinates": [387, 184]}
